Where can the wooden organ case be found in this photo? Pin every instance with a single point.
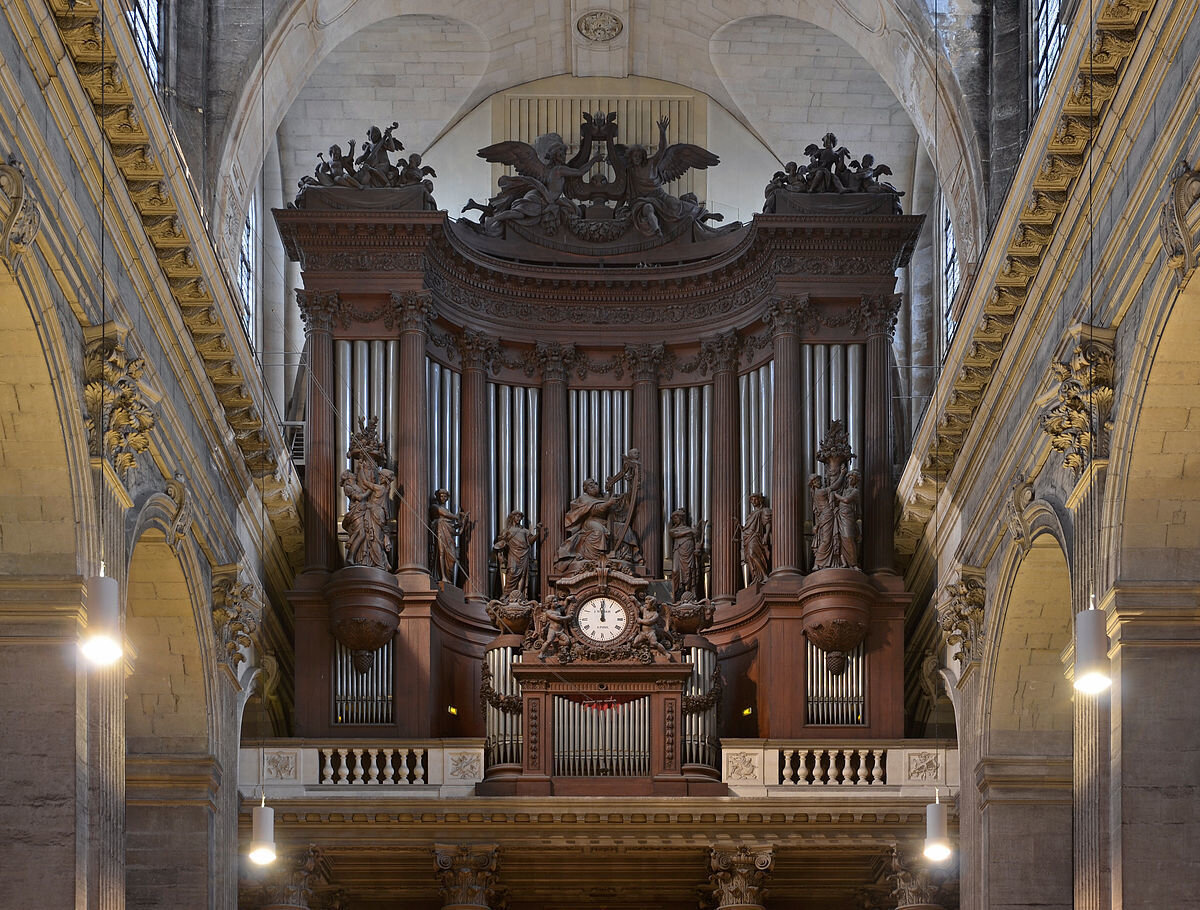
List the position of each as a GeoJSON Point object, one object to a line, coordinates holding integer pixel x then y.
{"type": "Point", "coordinates": [593, 395]}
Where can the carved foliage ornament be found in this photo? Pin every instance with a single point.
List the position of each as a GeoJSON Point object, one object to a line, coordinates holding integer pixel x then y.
{"type": "Point", "coordinates": [960, 614]}
{"type": "Point", "coordinates": [738, 876]}
{"type": "Point", "coordinates": [599, 25]}
{"type": "Point", "coordinates": [119, 419]}
{"type": "Point", "coordinates": [909, 888]}
{"type": "Point", "coordinates": [1181, 243]}
{"type": "Point", "coordinates": [20, 217]}
{"type": "Point", "coordinates": [181, 524]}
{"type": "Point", "coordinates": [1080, 422]}
{"type": "Point", "coordinates": [237, 611]}
{"type": "Point", "coordinates": [467, 873]}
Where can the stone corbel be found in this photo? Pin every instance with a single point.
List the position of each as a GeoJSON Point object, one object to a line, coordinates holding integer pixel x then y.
{"type": "Point", "coordinates": [960, 613]}
{"type": "Point", "coordinates": [120, 412]}
{"type": "Point", "coordinates": [1079, 420]}
{"type": "Point", "coordinates": [20, 217]}
{"type": "Point", "coordinates": [1179, 221]}
{"type": "Point", "coordinates": [237, 612]}
{"type": "Point", "coordinates": [738, 876]}
{"type": "Point", "coordinates": [181, 523]}
{"type": "Point", "coordinates": [1014, 511]}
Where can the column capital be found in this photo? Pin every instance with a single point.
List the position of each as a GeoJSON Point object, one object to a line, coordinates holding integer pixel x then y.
{"type": "Point", "coordinates": [320, 309]}
{"type": "Point", "coordinates": [476, 350]}
{"type": "Point", "coordinates": [647, 362]}
{"type": "Point", "coordinates": [721, 353]}
{"type": "Point", "coordinates": [554, 360]}
{"type": "Point", "coordinates": [467, 873]}
{"type": "Point", "coordinates": [738, 876]}
{"type": "Point", "coordinates": [960, 608]}
{"type": "Point", "coordinates": [785, 314]}
{"type": "Point", "coordinates": [876, 314]}
{"type": "Point", "coordinates": [413, 309]}
{"type": "Point", "coordinates": [1079, 423]}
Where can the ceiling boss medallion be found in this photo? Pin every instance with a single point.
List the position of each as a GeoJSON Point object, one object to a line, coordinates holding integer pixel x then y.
{"type": "Point", "coordinates": [599, 25]}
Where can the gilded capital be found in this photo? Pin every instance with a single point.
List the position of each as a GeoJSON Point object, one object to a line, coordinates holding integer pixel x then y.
{"type": "Point", "coordinates": [237, 611]}
{"type": "Point", "coordinates": [1080, 423]}
{"type": "Point", "coordinates": [960, 612]}
{"type": "Point", "coordinates": [119, 416]}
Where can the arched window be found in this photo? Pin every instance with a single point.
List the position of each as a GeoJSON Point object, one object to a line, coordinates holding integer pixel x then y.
{"type": "Point", "coordinates": [247, 268]}
{"type": "Point", "coordinates": [1046, 38]}
{"type": "Point", "coordinates": [951, 276]}
{"type": "Point", "coordinates": [147, 21]}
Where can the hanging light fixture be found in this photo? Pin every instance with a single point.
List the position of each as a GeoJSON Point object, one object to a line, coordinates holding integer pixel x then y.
{"type": "Point", "coordinates": [1091, 651]}
{"type": "Point", "coordinates": [101, 644]}
{"type": "Point", "coordinates": [262, 835]}
{"type": "Point", "coordinates": [937, 826]}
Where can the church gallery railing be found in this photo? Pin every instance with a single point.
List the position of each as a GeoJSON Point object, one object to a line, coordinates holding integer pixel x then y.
{"type": "Point", "coordinates": [452, 767]}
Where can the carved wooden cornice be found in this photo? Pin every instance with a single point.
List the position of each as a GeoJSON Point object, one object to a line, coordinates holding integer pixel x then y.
{"type": "Point", "coordinates": [1119, 26]}
{"type": "Point", "coordinates": [1179, 222]}
{"type": "Point", "coordinates": [209, 313]}
{"type": "Point", "coordinates": [960, 611]}
{"type": "Point", "coordinates": [119, 416]}
{"type": "Point", "coordinates": [1079, 423]}
{"type": "Point", "coordinates": [739, 876]}
{"type": "Point", "coordinates": [20, 218]}
{"type": "Point", "coordinates": [467, 873]}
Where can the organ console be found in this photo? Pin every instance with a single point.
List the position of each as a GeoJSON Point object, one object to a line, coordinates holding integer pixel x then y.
{"type": "Point", "coordinates": [594, 359]}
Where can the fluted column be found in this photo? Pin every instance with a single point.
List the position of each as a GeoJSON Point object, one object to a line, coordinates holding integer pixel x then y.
{"type": "Point", "coordinates": [414, 311]}
{"type": "Point", "coordinates": [467, 874]}
{"type": "Point", "coordinates": [476, 353]}
{"type": "Point", "coordinates": [786, 475]}
{"type": "Point", "coordinates": [554, 361]}
{"type": "Point", "coordinates": [739, 875]}
{"type": "Point", "coordinates": [318, 309]}
{"type": "Point", "coordinates": [645, 361]}
{"type": "Point", "coordinates": [721, 354]}
{"type": "Point", "coordinates": [880, 317]}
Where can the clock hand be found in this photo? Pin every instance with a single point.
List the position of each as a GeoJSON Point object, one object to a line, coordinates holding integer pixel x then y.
{"type": "Point", "coordinates": [602, 605]}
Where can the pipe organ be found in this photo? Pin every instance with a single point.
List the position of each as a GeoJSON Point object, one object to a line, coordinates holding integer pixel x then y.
{"type": "Point", "coordinates": [680, 365]}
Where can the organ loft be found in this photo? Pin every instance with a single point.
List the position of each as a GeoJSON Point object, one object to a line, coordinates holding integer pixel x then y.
{"type": "Point", "coordinates": [596, 477]}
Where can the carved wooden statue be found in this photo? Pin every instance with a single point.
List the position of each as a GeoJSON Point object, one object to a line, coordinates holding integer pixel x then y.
{"type": "Point", "coordinates": [552, 630]}
{"type": "Point", "coordinates": [651, 633]}
{"type": "Point", "coordinates": [755, 536]}
{"type": "Point", "coordinates": [836, 503]}
{"type": "Point", "coordinates": [828, 173]}
{"type": "Point", "coordinates": [369, 489]}
{"type": "Point", "coordinates": [600, 525]}
{"type": "Point", "coordinates": [687, 549]}
{"type": "Point", "coordinates": [515, 544]}
{"type": "Point", "coordinates": [447, 525]}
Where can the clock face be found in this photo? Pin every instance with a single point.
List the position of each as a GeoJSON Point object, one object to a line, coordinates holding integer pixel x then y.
{"type": "Point", "coordinates": [601, 619]}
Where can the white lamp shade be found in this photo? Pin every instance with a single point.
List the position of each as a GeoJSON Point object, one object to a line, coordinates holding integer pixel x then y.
{"type": "Point", "coordinates": [101, 643]}
{"type": "Point", "coordinates": [262, 836]}
{"type": "Point", "coordinates": [1091, 652]}
{"type": "Point", "coordinates": [937, 837]}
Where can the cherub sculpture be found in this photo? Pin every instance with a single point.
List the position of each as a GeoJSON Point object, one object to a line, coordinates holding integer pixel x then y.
{"type": "Point", "coordinates": [376, 166]}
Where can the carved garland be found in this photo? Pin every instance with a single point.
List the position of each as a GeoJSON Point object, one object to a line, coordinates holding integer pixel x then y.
{"type": "Point", "coordinates": [1080, 422]}
{"type": "Point", "coordinates": [119, 419]}
{"type": "Point", "coordinates": [698, 704]}
{"type": "Point", "coordinates": [509, 704]}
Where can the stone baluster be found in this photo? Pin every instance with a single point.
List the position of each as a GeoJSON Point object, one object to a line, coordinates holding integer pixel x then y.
{"type": "Point", "coordinates": [738, 877]}
{"type": "Point", "coordinates": [467, 874]}
{"type": "Point", "coordinates": [414, 311]}
{"type": "Point", "coordinates": [319, 309]}
{"type": "Point", "coordinates": [554, 360]}
{"type": "Point", "coordinates": [477, 352]}
{"type": "Point", "coordinates": [721, 354]}
{"type": "Point", "coordinates": [646, 362]}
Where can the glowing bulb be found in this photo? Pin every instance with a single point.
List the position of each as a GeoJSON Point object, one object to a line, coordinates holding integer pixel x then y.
{"type": "Point", "coordinates": [937, 840]}
{"type": "Point", "coordinates": [101, 644]}
{"type": "Point", "coordinates": [262, 838]}
{"type": "Point", "coordinates": [1091, 651]}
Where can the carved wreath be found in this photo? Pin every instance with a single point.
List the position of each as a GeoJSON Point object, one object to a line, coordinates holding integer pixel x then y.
{"type": "Point", "coordinates": [508, 704]}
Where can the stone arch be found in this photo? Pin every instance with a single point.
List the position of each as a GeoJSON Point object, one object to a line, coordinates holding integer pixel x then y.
{"type": "Point", "coordinates": [46, 507]}
{"type": "Point", "coordinates": [1025, 772]}
{"type": "Point", "coordinates": [897, 40]}
{"type": "Point", "coordinates": [1153, 496]}
{"type": "Point", "coordinates": [174, 800]}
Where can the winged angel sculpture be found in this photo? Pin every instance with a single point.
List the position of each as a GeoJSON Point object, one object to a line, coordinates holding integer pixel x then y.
{"type": "Point", "coordinates": [549, 189]}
